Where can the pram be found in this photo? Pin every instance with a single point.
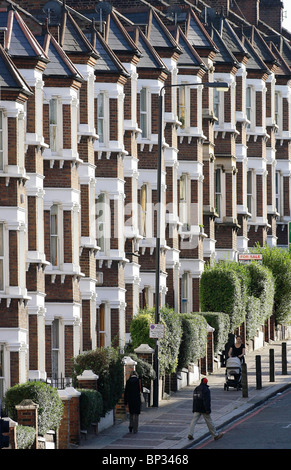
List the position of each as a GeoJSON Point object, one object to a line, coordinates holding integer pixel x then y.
{"type": "Point", "coordinates": [233, 373]}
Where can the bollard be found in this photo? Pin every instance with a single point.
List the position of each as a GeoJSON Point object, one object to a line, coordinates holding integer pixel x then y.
{"type": "Point", "coordinates": [244, 380]}
{"type": "Point", "coordinates": [284, 359]}
{"type": "Point", "coordinates": [272, 365]}
{"type": "Point", "coordinates": [258, 373]}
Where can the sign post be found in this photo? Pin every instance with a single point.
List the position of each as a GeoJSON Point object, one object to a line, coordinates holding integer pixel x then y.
{"type": "Point", "coordinates": [289, 235]}
{"type": "Point", "coordinates": [156, 330]}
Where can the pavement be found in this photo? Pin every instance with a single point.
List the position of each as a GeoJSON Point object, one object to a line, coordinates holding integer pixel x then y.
{"type": "Point", "coordinates": [167, 426]}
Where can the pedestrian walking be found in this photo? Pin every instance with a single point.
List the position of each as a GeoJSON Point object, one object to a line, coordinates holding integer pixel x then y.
{"type": "Point", "coordinates": [132, 398]}
{"type": "Point", "coordinates": [202, 407]}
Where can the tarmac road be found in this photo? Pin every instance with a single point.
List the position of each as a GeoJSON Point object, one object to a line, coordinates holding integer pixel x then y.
{"type": "Point", "coordinates": [267, 427]}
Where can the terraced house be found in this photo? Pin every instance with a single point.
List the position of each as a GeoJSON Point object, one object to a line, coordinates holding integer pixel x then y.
{"type": "Point", "coordinates": [79, 134]}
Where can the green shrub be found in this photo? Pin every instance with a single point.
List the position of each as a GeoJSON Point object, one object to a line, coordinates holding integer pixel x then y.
{"type": "Point", "coordinates": [143, 368]}
{"type": "Point", "coordinates": [221, 324]}
{"type": "Point", "coordinates": [139, 328]}
{"type": "Point", "coordinates": [279, 263]}
{"type": "Point", "coordinates": [169, 345]}
{"type": "Point", "coordinates": [262, 286]}
{"type": "Point", "coordinates": [25, 437]}
{"type": "Point", "coordinates": [107, 364]}
{"type": "Point", "coordinates": [50, 409]}
{"type": "Point", "coordinates": [253, 315]}
{"type": "Point", "coordinates": [194, 339]}
{"type": "Point", "coordinates": [91, 407]}
{"type": "Point", "coordinates": [221, 291]}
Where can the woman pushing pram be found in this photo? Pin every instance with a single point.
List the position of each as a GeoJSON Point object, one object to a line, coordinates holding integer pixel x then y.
{"type": "Point", "coordinates": [233, 365]}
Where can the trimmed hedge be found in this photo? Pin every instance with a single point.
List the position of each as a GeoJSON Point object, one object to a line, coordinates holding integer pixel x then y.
{"type": "Point", "coordinates": [91, 407]}
{"type": "Point", "coordinates": [221, 291]}
{"type": "Point", "coordinates": [221, 324]}
{"type": "Point", "coordinates": [143, 368]}
{"type": "Point", "coordinates": [194, 339]}
{"type": "Point", "coordinates": [279, 263]}
{"type": "Point", "coordinates": [25, 436]}
{"type": "Point", "coordinates": [169, 345]}
{"type": "Point", "coordinates": [50, 411]}
{"type": "Point", "coordinates": [253, 314]}
{"type": "Point", "coordinates": [262, 287]}
{"type": "Point", "coordinates": [244, 292]}
{"type": "Point", "coordinates": [107, 364]}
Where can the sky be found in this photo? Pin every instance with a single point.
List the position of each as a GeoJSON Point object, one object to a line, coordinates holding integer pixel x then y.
{"type": "Point", "coordinates": [287, 21]}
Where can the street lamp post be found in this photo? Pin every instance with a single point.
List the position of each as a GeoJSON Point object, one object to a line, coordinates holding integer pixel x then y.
{"type": "Point", "coordinates": [220, 86]}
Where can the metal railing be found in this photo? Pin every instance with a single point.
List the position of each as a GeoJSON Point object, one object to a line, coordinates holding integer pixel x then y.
{"type": "Point", "coordinates": [57, 382]}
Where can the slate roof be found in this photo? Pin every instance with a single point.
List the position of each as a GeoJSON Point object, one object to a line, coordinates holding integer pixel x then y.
{"type": "Point", "coordinates": [149, 58]}
{"type": "Point", "coordinates": [189, 56]}
{"type": "Point", "coordinates": [117, 37]}
{"type": "Point", "coordinates": [9, 76]}
{"type": "Point", "coordinates": [60, 64]}
{"type": "Point", "coordinates": [255, 63]}
{"type": "Point", "coordinates": [159, 35]}
{"type": "Point", "coordinates": [230, 38]}
{"type": "Point", "coordinates": [196, 33]}
{"type": "Point", "coordinates": [152, 27]}
{"type": "Point", "coordinates": [72, 38]}
{"type": "Point", "coordinates": [259, 45]}
{"type": "Point", "coordinates": [284, 67]}
{"type": "Point", "coordinates": [19, 41]}
{"type": "Point", "coordinates": [282, 47]}
{"type": "Point", "coordinates": [108, 61]}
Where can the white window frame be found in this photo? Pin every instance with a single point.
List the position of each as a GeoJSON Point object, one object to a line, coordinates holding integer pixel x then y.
{"type": "Point", "coordinates": [278, 111]}
{"type": "Point", "coordinates": [57, 211]}
{"type": "Point", "coordinates": [2, 256]}
{"type": "Point", "coordinates": [143, 209]}
{"type": "Point", "coordinates": [145, 113]}
{"type": "Point", "coordinates": [103, 222]}
{"type": "Point", "coordinates": [251, 107]}
{"type": "Point", "coordinates": [56, 125]}
{"type": "Point", "coordinates": [75, 125]}
{"type": "Point", "coordinates": [3, 139]}
{"type": "Point", "coordinates": [103, 118]}
{"type": "Point", "coordinates": [278, 191]}
{"type": "Point", "coordinates": [186, 292]}
{"type": "Point", "coordinates": [218, 191]}
{"type": "Point", "coordinates": [21, 142]}
{"type": "Point", "coordinates": [184, 106]}
{"type": "Point", "coordinates": [184, 201]}
{"type": "Point", "coordinates": [57, 347]}
{"type": "Point", "coordinates": [251, 191]}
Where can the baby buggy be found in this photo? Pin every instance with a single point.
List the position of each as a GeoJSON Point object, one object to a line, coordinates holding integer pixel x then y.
{"type": "Point", "coordinates": [233, 373]}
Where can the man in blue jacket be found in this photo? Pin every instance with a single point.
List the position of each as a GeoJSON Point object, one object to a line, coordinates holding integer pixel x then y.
{"type": "Point", "coordinates": [202, 406]}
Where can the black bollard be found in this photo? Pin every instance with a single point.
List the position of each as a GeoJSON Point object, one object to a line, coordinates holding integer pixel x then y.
{"type": "Point", "coordinates": [272, 365]}
{"type": "Point", "coordinates": [244, 380]}
{"type": "Point", "coordinates": [284, 359]}
{"type": "Point", "coordinates": [258, 373]}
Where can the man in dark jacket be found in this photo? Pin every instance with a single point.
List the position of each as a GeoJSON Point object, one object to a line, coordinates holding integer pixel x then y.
{"type": "Point", "coordinates": [132, 399]}
{"type": "Point", "coordinates": [202, 406]}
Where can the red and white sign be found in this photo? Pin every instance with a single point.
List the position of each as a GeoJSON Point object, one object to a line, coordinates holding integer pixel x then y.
{"type": "Point", "coordinates": [250, 257]}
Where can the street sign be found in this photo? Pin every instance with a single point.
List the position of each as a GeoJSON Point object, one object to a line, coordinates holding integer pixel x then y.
{"type": "Point", "coordinates": [156, 330]}
{"type": "Point", "coordinates": [246, 257]}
